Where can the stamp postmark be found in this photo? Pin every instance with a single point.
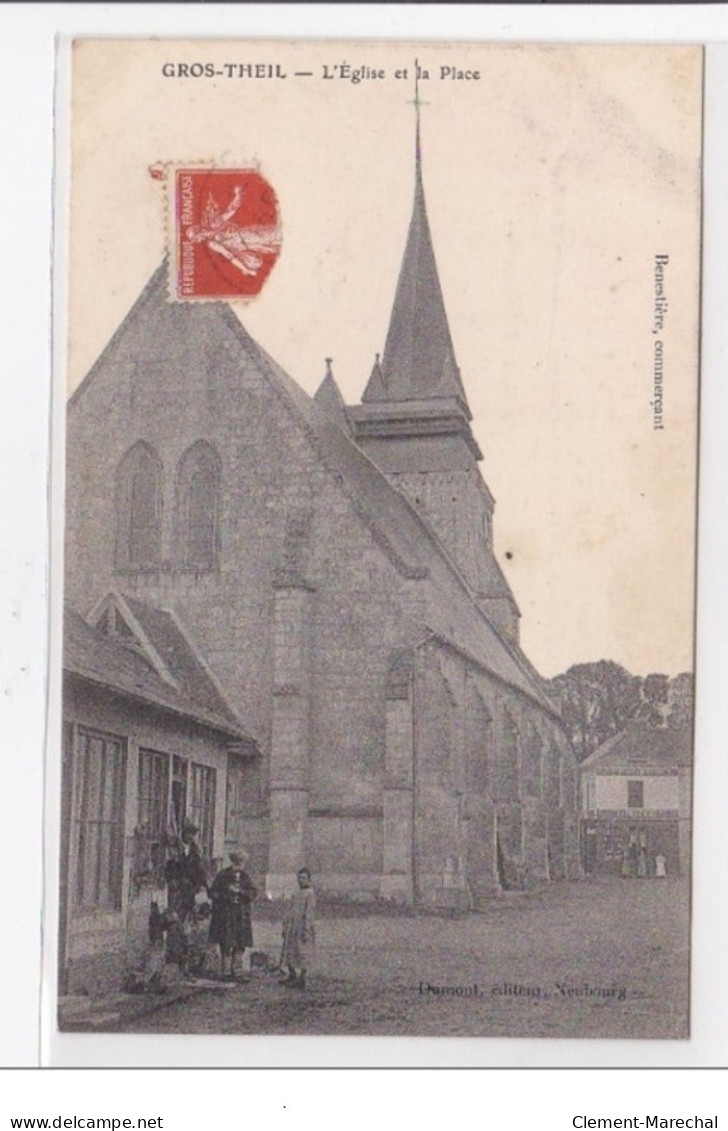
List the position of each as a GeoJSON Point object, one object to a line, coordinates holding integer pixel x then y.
{"type": "Point", "coordinates": [226, 233]}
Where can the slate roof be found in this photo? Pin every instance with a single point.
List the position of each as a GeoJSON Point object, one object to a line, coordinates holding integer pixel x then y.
{"type": "Point", "coordinates": [637, 747]}
{"type": "Point", "coordinates": [121, 667]}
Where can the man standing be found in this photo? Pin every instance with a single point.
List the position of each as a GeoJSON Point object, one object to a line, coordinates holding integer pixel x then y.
{"type": "Point", "coordinates": [185, 875]}
{"type": "Point", "coordinates": [299, 936]}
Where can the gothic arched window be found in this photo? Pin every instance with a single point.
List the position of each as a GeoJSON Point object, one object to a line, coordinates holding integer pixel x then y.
{"type": "Point", "coordinates": [139, 509]}
{"type": "Point", "coordinates": [507, 767]}
{"type": "Point", "coordinates": [198, 507]}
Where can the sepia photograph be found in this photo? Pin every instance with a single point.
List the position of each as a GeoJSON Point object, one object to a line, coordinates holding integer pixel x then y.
{"type": "Point", "coordinates": [380, 404]}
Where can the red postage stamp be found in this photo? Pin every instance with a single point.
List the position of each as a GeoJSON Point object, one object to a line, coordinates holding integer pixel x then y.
{"type": "Point", "coordinates": [226, 233]}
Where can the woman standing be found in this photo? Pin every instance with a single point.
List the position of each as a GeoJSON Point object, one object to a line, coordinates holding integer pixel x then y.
{"type": "Point", "coordinates": [232, 892]}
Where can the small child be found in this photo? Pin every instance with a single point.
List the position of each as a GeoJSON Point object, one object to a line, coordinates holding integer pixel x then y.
{"type": "Point", "coordinates": [148, 978]}
{"type": "Point", "coordinates": [299, 936]}
{"type": "Point", "coordinates": [197, 941]}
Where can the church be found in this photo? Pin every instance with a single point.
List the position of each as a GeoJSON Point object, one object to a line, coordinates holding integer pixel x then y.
{"type": "Point", "coordinates": [315, 586]}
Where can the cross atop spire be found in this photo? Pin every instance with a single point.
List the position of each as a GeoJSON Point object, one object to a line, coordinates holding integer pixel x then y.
{"type": "Point", "coordinates": [328, 397]}
{"type": "Point", "coordinates": [417, 102]}
{"type": "Point", "coordinates": [418, 361]}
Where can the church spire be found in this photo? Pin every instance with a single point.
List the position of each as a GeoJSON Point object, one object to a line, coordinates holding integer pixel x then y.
{"type": "Point", "coordinates": [328, 397]}
{"type": "Point", "coordinates": [418, 361]}
{"type": "Point", "coordinates": [414, 423]}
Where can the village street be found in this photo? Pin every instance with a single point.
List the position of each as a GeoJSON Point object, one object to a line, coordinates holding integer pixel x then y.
{"type": "Point", "coordinates": [598, 958]}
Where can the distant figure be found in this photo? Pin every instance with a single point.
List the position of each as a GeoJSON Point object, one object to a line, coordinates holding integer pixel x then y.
{"type": "Point", "coordinates": [232, 892]}
{"type": "Point", "coordinates": [299, 934]}
{"type": "Point", "coordinates": [660, 865]}
{"type": "Point", "coordinates": [629, 858]}
{"type": "Point", "coordinates": [642, 862]}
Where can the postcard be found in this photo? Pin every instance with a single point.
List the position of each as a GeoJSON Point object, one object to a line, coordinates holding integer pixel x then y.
{"type": "Point", "coordinates": [380, 495]}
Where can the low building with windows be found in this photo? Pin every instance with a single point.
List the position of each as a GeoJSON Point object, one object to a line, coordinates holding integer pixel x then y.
{"type": "Point", "coordinates": [149, 741]}
{"type": "Point", "coordinates": [636, 803]}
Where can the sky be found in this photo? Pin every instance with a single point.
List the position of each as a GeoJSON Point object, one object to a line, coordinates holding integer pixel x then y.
{"type": "Point", "coordinates": [553, 181]}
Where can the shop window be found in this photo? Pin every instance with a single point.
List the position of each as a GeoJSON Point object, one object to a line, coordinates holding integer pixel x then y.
{"type": "Point", "coordinates": [178, 794]}
{"type": "Point", "coordinates": [153, 812]}
{"type": "Point", "coordinates": [171, 790]}
{"type": "Point", "coordinates": [98, 841]}
{"type": "Point", "coordinates": [635, 794]}
{"type": "Point", "coordinates": [201, 809]}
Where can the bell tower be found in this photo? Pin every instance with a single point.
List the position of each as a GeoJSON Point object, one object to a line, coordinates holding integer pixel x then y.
{"type": "Point", "coordinates": [414, 421]}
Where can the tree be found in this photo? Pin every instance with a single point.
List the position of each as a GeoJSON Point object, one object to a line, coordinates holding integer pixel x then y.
{"type": "Point", "coordinates": [600, 699]}
{"type": "Point", "coordinates": [680, 701]}
{"type": "Point", "coordinates": [596, 701]}
{"type": "Point", "coordinates": [653, 700]}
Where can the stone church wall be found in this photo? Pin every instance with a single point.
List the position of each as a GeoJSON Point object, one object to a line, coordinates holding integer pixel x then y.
{"type": "Point", "coordinates": [494, 782]}
{"type": "Point", "coordinates": [281, 513]}
{"type": "Point", "coordinates": [307, 623]}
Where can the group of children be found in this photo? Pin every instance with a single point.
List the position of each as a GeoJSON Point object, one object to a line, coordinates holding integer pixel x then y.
{"type": "Point", "coordinates": [201, 915]}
